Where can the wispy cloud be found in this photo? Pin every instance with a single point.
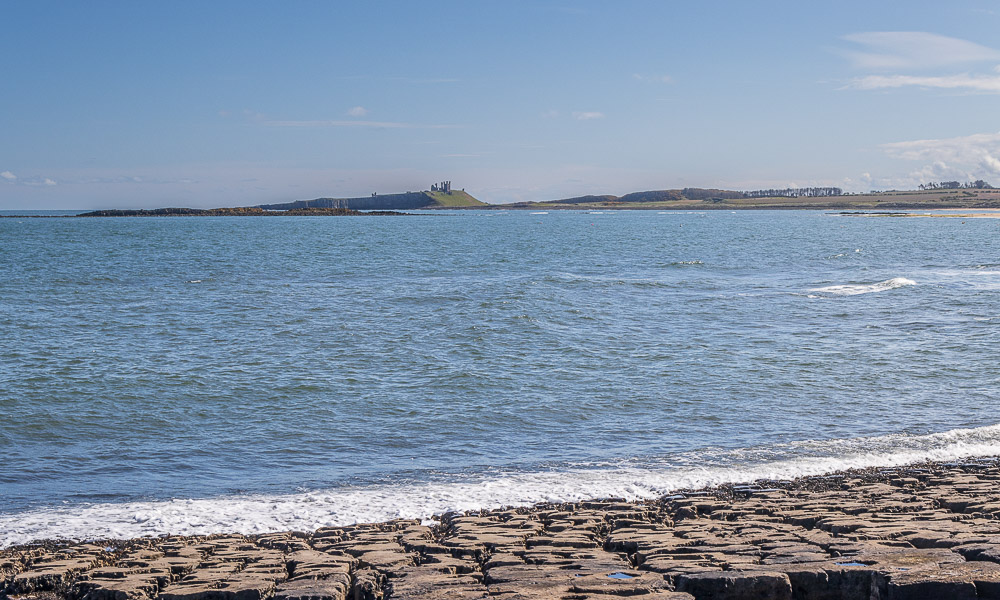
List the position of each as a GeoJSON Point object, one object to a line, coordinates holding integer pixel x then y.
{"type": "Point", "coordinates": [31, 180]}
{"type": "Point", "coordinates": [909, 50]}
{"type": "Point", "coordinates": [37, 181]}
{"type": "Point", "coordinates": [356, 124]}
{"type": "Point", "coordinates": [357, 111]}
{"type": "Point", "coordinates": [652, 78]}
{"type": "Point", "coordinates": [587, 116]}
{"type": "Point", "coordinates": [253, 115]}
{"type": "Point", "coordinates": [965, 81]}
{"type": "Point", "coordinates": [934, 56]}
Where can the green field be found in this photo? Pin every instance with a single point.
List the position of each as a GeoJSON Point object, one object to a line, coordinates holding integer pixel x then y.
{"type": "Point", "coordinates": [453, 199]}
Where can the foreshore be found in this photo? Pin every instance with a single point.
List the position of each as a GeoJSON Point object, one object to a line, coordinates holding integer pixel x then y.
{"type": "Point", "coordinates": [927, 531]}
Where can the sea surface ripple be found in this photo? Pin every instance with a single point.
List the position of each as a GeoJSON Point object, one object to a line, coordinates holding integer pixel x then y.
{"type": "Point", "coordinates": [209, 374]}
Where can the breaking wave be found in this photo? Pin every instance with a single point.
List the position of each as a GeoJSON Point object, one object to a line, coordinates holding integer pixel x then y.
{"type": "Point", "coordinates": [251, 514]}
{"type": "Point", "coordinates": [864, 288]}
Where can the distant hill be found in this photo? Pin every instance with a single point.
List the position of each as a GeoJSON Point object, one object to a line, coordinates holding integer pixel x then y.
{"type": "Point", "coordinates": [585, 200]}
{"type": "Point", "coordinates": [654, 197]}
{"type": "Point", "coordinates": [968, 196]}
{"type": "Point", "coordinates": [406, 201]}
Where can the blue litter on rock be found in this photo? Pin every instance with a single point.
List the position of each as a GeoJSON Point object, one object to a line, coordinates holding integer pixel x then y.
{"type": "Point", "coordinates": [620, 576]}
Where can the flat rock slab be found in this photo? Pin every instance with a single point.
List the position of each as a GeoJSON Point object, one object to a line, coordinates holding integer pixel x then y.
{"type": "Point", "coordinates": [923, 532]}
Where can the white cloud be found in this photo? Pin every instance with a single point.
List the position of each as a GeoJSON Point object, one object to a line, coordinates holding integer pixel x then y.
{"type": "Point", "coordinates": [8, 176]}
{"type": "Point", "coordinates": [965, 81]}
{"type": "Point", "coordinates": [962, 158]}
{"type": "Point", "coordinates": [357, 111]}
{"type": "Point", "coordinates": [957, 148]}
{"type": "Point", "coordinates": [914, 50]}
{"type": "Point", "coordinates": [939, 171]}
{"type": "Point", "coordinates": [48, 181]}
{"type": "Point", "coordinates": [587, 116]}
{"type": "Point", "coordinates": [991, 163]}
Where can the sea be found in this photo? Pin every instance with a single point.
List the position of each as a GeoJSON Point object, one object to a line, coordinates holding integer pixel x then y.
{"type": "Point", "coordinates": [195, 375]}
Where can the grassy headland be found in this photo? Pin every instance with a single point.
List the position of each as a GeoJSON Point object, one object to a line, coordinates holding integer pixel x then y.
{"type": "Point", "coordinates": [403, 201]}
{"type": "Point", "coordinates": [459, 199]}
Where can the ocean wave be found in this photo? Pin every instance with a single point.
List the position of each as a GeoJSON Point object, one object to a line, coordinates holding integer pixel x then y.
{"type": "Point", "coordinates": [864, 288]}
{"type": "Point", "coordinates": [306, 511]}
{"type": "Point", "coordinates": [606, 281]}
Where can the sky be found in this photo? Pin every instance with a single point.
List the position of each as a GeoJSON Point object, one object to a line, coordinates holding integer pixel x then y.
{"type": "Point", "coordinates": [207, 104]}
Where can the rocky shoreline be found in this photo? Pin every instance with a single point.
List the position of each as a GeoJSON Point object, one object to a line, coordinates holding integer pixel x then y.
{"type": "Point", "coordinates": [220, 212]}
{"type": "Point", "coordinates": [923, 531]}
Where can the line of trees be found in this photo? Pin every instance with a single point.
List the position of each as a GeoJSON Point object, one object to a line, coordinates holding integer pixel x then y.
{"type": "Point", "coordinates": [807, 192]}
{"type": "Point", "coordinates": [978, 184]}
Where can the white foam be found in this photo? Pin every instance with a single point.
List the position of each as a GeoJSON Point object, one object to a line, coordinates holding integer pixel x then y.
{"type": "Point", "coordinates": [864, 288]}
{"type": "Point", "coordinates": [308, 511]}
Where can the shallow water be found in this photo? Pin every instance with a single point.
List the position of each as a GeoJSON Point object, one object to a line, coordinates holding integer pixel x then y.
{"type": "Point", "coordinates": [206, 374]}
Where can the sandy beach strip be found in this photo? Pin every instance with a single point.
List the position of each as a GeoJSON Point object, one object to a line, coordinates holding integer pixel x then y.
{"type": "Point", "coordinates": [923, 531]}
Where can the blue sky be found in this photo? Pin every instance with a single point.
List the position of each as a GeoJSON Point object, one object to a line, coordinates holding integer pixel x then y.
{"type": "Point", "coordinates": [141, 104]}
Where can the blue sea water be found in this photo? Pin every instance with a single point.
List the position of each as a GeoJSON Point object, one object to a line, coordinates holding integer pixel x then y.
{"type": "Point", "coordinates": [201, 374]}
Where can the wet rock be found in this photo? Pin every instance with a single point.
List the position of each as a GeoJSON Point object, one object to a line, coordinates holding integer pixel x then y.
{"type": "Point", "coordinates": [620, 583]}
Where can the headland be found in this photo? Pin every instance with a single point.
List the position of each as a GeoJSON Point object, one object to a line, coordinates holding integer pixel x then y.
{"type": "Point", "coordinates": [441, 195]}
{"type": "Point", "coordinates": [924, 531]}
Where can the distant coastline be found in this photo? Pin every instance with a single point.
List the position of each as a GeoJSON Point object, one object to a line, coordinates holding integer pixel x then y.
{"type": "Point", "coordinates": [712, 199]}
{"type": "Point", "coordinates": [442, 197]}
{"type": "Point", "coordinates": [967, 197]}
{"type": "Point", "coordinates": [217, 212]}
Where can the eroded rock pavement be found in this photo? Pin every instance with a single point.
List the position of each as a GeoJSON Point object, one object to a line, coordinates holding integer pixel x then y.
{"type": "Point", "coordinates": [930, 532]}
